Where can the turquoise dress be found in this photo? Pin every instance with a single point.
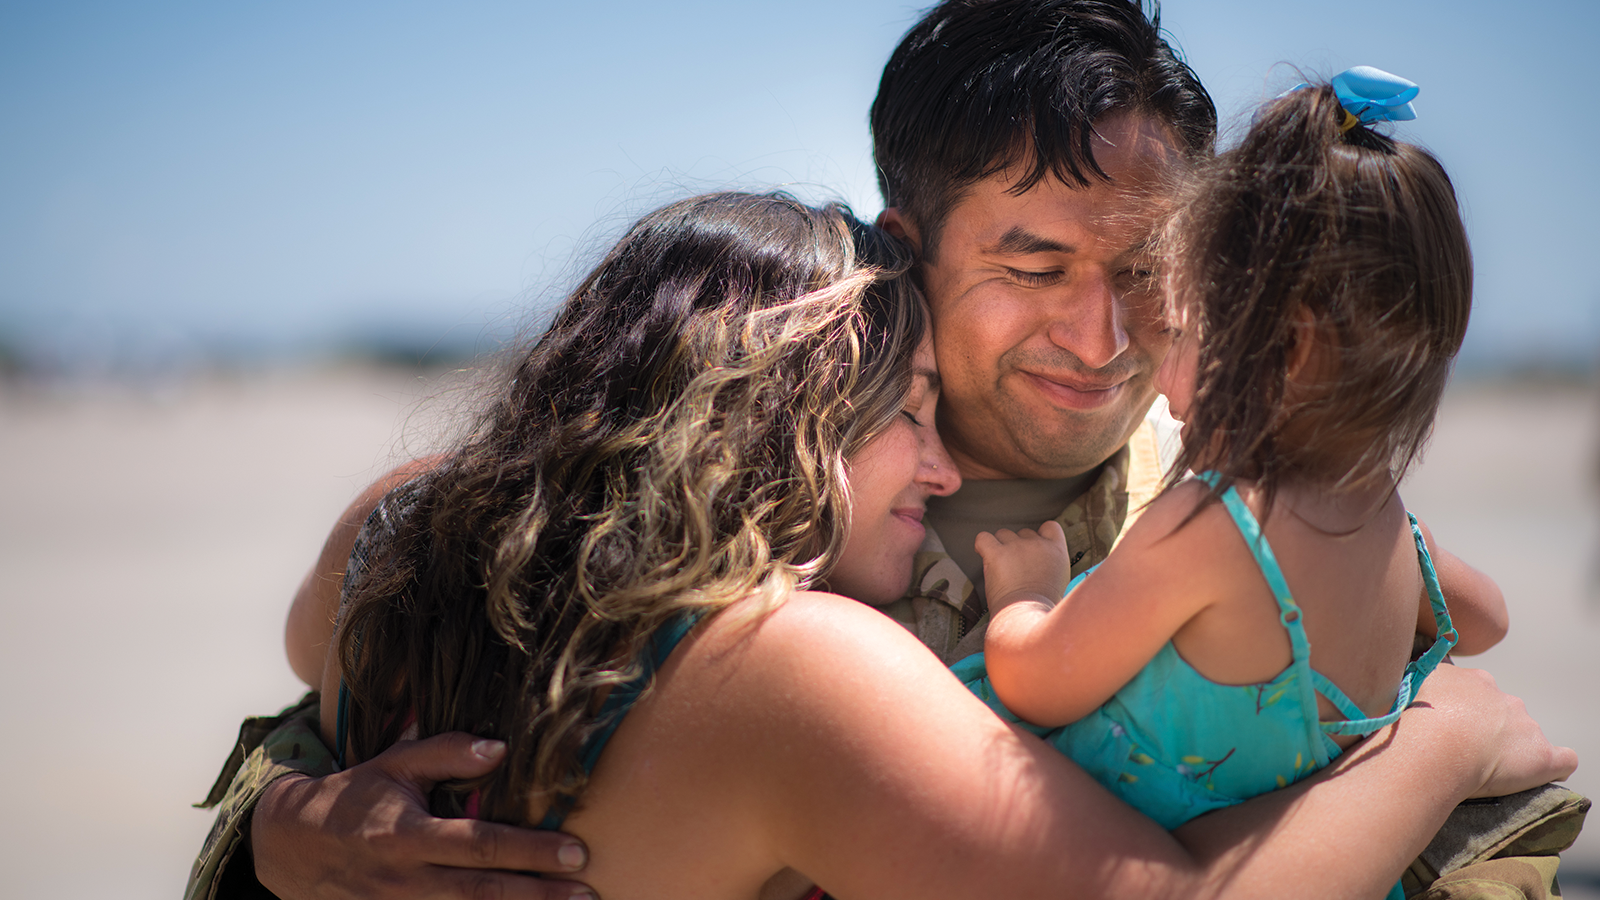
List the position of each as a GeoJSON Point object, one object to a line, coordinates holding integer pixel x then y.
{"type": "Point", "coordinates": [1174, 744]}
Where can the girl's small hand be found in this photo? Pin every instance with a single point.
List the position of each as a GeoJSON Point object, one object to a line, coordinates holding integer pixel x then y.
{"type": "Point", "coordinates": [1032, 565]}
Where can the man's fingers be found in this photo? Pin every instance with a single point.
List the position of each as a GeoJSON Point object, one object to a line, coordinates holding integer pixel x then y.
{"type": "Point", "coordinates": [471, 844]}
{"type": "Point", "coordinates": [441, 757]}
{"type": "Point", "coordinates": [468, 884]}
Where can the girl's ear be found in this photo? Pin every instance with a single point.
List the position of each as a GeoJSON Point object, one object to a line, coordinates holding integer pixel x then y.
{"type": "Point", "coordinates": [1305, 340]}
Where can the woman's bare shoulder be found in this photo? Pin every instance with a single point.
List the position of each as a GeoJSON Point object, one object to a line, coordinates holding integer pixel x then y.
{"type": "Point", "coordinates": [822, 637]}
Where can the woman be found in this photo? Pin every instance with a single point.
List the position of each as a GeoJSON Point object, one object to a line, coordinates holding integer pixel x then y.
{"type": "Point", "coordinates": [736, 406]}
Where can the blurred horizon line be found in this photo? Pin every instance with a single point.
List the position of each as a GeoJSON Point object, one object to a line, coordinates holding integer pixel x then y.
{"type": "Point", "coordinates": [153, 354]}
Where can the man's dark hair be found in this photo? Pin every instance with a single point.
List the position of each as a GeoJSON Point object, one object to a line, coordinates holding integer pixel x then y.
{"type": "Point", "coordinates": [980, 85]}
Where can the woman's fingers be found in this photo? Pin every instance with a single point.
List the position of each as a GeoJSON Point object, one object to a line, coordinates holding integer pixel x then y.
{"type": "Point", "coordinates": [367, 832]}
{"type": "Point", "coordinates": [1514, 752]}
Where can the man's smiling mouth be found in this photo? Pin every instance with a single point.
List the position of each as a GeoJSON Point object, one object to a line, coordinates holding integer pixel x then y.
{"type": "Point", "coordinates": [1075, 393]}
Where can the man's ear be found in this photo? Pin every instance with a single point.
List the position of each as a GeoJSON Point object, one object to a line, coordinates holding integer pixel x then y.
{"type": "Point", "coordinates": [899, 224]}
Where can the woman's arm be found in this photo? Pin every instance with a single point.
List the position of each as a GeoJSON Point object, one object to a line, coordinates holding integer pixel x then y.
{"type": "Point", "coordinates": [1477, 607]}
{"type": "Point", "coordinates": [1402, 781]}
{"type": "Point", "coordinates": [885, 778]}
{"type": "Point", "coordinates": [826, 739]}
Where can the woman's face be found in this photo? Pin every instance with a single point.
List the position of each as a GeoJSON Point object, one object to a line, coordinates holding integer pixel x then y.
{"type": "Point", "coordinates": [891, 479]}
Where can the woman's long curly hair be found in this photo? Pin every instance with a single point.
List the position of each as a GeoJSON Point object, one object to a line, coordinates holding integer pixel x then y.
{"type": "Point", "coordinates": [675, 442]}
{"type": "Point", "coordinates": [1350, 231]}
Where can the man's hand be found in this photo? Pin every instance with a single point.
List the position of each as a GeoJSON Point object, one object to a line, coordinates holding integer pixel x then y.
{"type": "Point", "coordinates": [366, 832]}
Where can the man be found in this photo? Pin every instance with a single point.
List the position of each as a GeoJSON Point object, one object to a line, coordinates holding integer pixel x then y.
{"type": "Point", "coordinates": [1018, 142]}
{"type": "Point", "coordinates": [1029, 216]}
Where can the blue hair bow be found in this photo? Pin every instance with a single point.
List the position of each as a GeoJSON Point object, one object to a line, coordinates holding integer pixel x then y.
{"type": "Point", "coordinates": [1373, 95]}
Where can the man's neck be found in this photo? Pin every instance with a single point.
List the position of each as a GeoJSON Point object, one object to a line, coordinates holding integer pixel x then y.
{"type": "Point", "coordinates": [989, 505]}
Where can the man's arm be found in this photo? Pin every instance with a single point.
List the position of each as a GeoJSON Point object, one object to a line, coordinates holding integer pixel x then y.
{"type": "Point", "coordinates": [361, 832]}
{"type": "Point", "coordinates": [308, 831]}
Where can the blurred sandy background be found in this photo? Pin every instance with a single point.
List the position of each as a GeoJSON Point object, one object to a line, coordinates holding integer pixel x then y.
{"type": "Point", "coordinates": [150, 540]}
{"type": "Point", "coordinates": [190, 186]}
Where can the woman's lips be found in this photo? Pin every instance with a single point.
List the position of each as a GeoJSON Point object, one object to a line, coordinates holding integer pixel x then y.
{"type": "Point", "coordinates": [912, 516]}
{"type": "Point", "coordinates": [1076, 394]}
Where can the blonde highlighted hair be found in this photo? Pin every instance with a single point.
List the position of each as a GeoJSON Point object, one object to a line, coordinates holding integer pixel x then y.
{"type": "Point", "coordinates": [674, 443]}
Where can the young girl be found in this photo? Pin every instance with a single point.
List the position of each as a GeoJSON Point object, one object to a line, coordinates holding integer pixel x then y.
{"type": "Point", "coordinates": [1318, 281]}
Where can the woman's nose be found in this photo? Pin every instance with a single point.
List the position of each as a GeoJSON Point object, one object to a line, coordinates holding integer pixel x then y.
{"type": "Point", "coordinates": [936, 470]}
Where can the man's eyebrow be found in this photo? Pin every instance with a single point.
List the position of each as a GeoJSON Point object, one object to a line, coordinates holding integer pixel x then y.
{"type": "Point", "coordinates": [1021, 241]}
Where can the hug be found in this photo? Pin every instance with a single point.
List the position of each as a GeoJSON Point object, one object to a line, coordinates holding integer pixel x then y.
{"type": "Point", "coordinates": [682, 576]}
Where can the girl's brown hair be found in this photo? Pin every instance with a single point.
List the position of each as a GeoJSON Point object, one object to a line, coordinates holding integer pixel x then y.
{"type": "Point", "coordinates": [1348, 240]}
{"type": "Point", "coordinates": [675, 442]}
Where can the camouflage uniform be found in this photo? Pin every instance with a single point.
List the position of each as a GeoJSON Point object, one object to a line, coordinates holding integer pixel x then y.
{"type": "Point", "coordinates": [1499, 849]}
{"type": "Point", "coordinates": [269, 747]}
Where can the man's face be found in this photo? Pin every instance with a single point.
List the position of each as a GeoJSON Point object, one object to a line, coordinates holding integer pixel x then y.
{"type": "Point", "coordinates": [1046, 326]}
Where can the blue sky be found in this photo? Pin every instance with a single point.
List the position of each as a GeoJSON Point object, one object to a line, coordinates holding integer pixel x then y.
{"type": "Point", "coordinates": [179, 177]}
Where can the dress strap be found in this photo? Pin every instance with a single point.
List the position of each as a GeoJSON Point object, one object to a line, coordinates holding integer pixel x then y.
{"type": "Point", "coordinates": [617, 704]}
{"type": "Point", "coordinates": [1288, 611]}
{"type": "Point", "coordinates": [1446, 630]}
{"type": "Point", "coordinates": [1416, 671]}
{"type": "Point", "coordinates": [1355, 721]}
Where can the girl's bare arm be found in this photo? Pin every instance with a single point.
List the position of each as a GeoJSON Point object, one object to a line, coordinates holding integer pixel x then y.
{"type": "Point", "coordinates": [1050, 662]}
{"type": "Point", "coordinates": [316, 603]}
{"type": "Point", "coordinates": [1477, 606]}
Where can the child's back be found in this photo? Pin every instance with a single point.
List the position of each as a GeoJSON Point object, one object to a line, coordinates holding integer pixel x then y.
{"type": "Point", "coordinates": [1235, 701]}
{"type": "Point", "coordinates": [1353, 572]}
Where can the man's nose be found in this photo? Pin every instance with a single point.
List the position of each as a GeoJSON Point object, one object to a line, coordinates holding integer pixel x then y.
{"type": "Point", "coordinates": [1090, 322]}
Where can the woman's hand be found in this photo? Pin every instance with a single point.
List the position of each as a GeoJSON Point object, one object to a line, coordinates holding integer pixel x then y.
{"type": "Point", "coordinates": [1513, 752]}
{"type": "Point", "coordinates": [366, 832]}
